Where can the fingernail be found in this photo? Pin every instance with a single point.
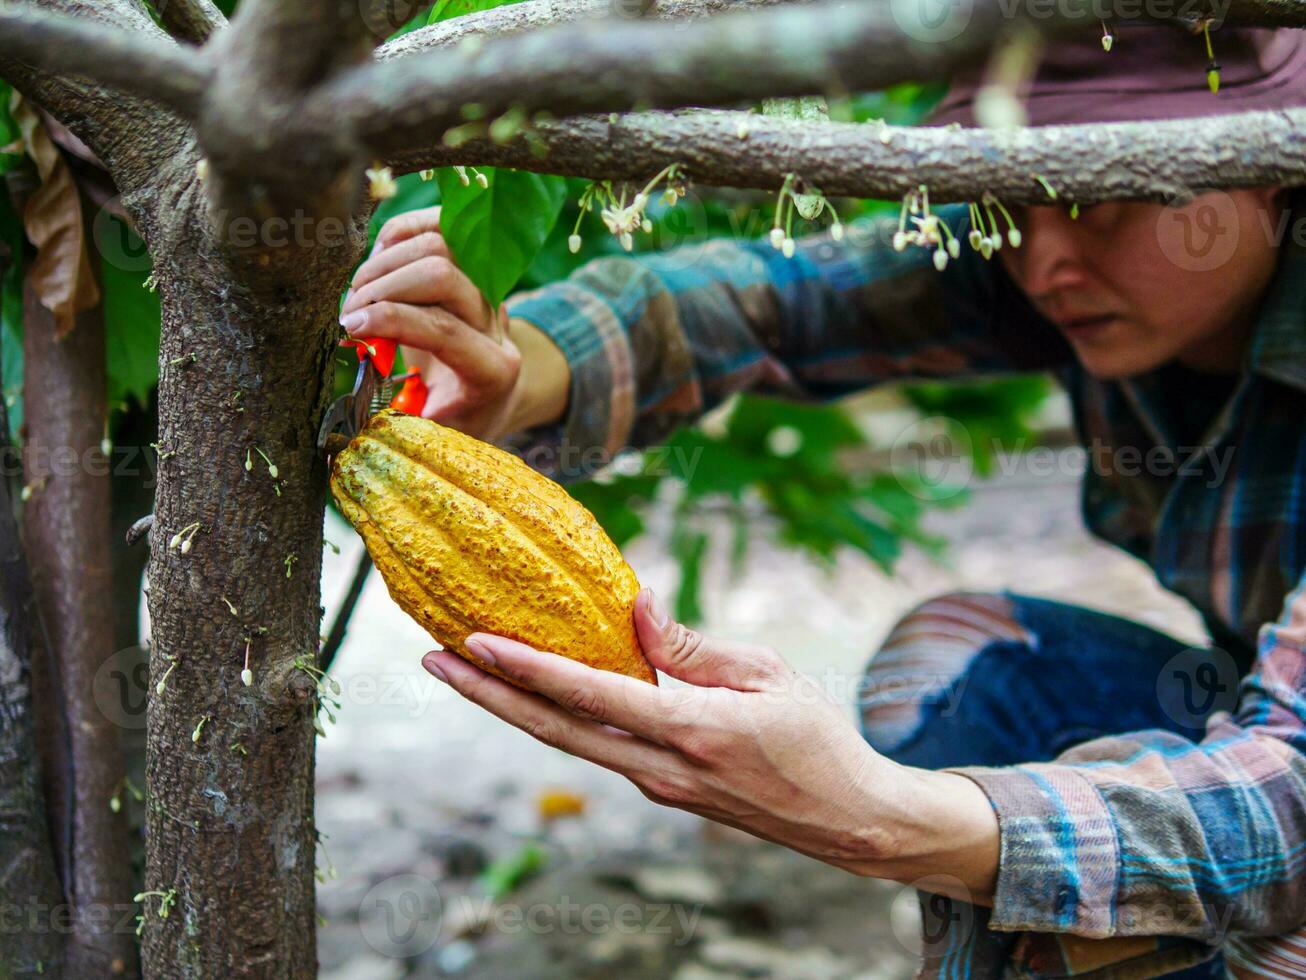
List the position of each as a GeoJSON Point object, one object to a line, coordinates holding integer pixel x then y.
{"type": "Point", "coordinates": [657, 610]}
{"type": "Point", "coordinates": [480, 651]}
{"type": "Point", "coordinates": [353, 322]}
{"type": "Point", "coordinates": [433, 666]}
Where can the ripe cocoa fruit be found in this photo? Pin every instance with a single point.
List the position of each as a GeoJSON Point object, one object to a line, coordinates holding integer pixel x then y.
{"type": "Point", "coordinates": [470, 539]}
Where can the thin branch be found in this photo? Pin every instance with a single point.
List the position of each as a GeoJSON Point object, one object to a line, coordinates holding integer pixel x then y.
{"type": "Point", "coordinates": [1258, 13]}
{"type": "Point", "coordinates": [194, 21]}
{"type": "Point", "coordinates": [615, 65]}
{"type": "Point", "coordinates": [517, 17]}
{"type": "Point", "coordinates": [136, 64]}
{"type": "Point", "coordinates": [340, 625]}
{"type": "Point", "coordinates": [1166, 161]}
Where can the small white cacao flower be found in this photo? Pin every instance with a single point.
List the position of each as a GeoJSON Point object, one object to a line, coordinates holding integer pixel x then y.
{"type": "Point", "coordinates": [381, 183]}
{"type": "Point", "coordinates": [787, 249]}
{"type": "Point", "coordinates": [777, 238]}
{"type": "Point", "coordinates": [573, 244]}
{"type": "Point", "coordinates": [940, 259]}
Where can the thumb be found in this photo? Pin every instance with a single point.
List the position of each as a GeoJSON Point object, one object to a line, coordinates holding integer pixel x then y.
{"type": "Point", "coordinates": [688, 655]}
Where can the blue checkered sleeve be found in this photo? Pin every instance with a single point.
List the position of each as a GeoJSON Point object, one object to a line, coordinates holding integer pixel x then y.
{"type": "Point", "coordinates": [655, 341]}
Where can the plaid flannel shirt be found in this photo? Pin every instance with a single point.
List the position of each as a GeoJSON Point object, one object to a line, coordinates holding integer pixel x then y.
{"type": "Point", "coordinates": [1129, 855]}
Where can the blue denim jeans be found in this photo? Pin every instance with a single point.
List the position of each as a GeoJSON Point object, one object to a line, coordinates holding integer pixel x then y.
{"type": "Point", "coordinates": [995, 680]}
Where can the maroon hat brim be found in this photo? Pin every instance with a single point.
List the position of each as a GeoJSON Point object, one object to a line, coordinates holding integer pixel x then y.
{"type": "Point", "coordinates": [1151, 72]}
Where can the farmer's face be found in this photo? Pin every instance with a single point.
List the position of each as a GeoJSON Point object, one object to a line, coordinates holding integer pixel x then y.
{"type": "Point", "coordinates": [1135, 285]}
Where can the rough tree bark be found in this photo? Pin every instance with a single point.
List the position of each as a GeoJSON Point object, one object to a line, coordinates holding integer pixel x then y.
{"type": "Point", "coordinates": [230, 835]}
{"type": "Point", "coordinates": [286, 107]}
{"type": "Point", "coordinates": [1084, 164]}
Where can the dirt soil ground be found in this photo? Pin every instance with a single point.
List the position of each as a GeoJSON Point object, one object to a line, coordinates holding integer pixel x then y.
{"type": "Point", "coordinates": [418, 791]}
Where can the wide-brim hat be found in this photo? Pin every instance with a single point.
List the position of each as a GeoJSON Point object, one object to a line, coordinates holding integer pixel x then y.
{"type": "Point", "coordinates": [1151, 72]}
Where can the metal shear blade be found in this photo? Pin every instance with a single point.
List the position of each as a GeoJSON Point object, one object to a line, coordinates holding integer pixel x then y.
{"type": "Point", "coordinates": [346, 416]}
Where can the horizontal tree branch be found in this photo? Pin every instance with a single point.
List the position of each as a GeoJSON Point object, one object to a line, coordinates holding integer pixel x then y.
{"type": "Point", "coordinates": [517, 17]}
{"type": "Point", "coordinates": [194, 21]}
{"type": "Point", "coordinates": [615, 65]}
{"type": "Point", "coordinates": [1258, 13]}
{"type": "Point", "coordinates": [267, 63]}
{"type": "Point", "coordinates": [135, 64]}
{"type": "Point", "coordinates": [1164, 161]}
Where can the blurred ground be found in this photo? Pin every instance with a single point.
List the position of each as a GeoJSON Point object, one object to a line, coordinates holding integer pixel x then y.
{"type": "Point", "coordinates": [417, 790]}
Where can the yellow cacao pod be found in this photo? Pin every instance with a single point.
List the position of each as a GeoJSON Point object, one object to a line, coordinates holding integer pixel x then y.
{"type": "Point", "coordinates": [470, 539]}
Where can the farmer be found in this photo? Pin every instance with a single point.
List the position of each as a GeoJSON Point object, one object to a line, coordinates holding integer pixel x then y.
{"type": "Point", "coordinates": [1096, 795]}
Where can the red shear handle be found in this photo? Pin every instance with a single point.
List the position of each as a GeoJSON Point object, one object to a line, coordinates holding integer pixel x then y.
{"type": "Point", "coordinates": [411, 398]}
{"type": "Point", "coordinates": [380, 350]}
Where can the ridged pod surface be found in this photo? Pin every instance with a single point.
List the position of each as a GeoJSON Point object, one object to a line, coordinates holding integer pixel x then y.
{"type": "Point", "coordinates": [470, 539]}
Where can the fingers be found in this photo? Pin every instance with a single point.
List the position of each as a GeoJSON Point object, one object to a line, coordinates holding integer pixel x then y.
{"type": "Point", "coordinates": [410, 224]}
{"type": "Point", "coordinates": [384, 261]}
{"type": "Point", "coordinates": [691, 657]}
{"type": "Point", "coordinates": [546, 721]}
{"type": "Point", "coordinates": [477, 360]}
{"type": "Point", "coordinates": [430, 281]}
{"type": "Point", "coordinates": [612, 699]}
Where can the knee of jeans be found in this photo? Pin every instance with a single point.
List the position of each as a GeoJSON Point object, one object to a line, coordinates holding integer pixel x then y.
{"type": "Point", "coordinates": [919, 664]}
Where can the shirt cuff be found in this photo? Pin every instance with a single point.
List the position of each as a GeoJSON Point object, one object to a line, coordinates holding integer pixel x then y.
{"type": "Point", "coordinates": [601, 397]}
{"type": "Point", "coordinates": [1059, 869]}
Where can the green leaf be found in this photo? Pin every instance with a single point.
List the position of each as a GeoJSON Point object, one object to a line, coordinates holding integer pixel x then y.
{"type": "Point", "coordinates": [506, 873]}
{"type": "Point", "coordinates": [613, 504]}
{"type": "Point", "coordinates": [689, 549]}
{"type": "Point", "coordinates": [448, 9]}
{"type": "Point", "coordinates": [11, 313]}
{"type": "Point", "coordinates": [131, 326]}
{"type": "Point", "coordinates": [495, 232]}
{"type": "Point", "coordinates": [413, 194]}
{"type": "Point", "coordinates": [9, 132]}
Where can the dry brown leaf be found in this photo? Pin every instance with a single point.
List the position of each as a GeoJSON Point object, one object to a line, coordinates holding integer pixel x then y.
{"type": "Point", "coordinates": [61, 275]}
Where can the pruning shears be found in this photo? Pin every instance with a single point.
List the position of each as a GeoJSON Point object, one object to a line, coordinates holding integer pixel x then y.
{"type": "Point", "coordinates": [372, 391]}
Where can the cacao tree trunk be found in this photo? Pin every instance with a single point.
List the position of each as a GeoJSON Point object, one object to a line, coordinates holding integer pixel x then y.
{"type": "Point", "coordinates": [66, 532]}
{"type": "Point", "coordinates": [246, 363]}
